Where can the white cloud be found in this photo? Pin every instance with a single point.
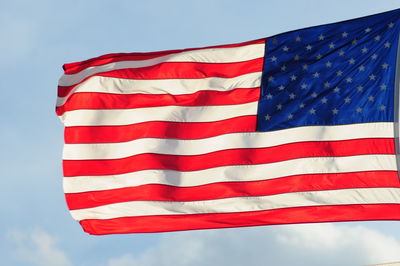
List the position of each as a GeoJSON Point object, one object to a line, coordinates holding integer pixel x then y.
{"type": "Point", "coordinates": [349, 245]}
{"type": "Point", "coordinates": [124, 260]}
{"type": "Point", "coordinates": [315, 244]}
{"type": "Point", "coordinates": [37, 248]}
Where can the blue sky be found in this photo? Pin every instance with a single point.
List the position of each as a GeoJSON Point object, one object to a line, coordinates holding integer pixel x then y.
{"type": "Point", "coordinates": [37, 37]}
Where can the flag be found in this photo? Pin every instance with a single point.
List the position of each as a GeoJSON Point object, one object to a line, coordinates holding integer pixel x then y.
{"type": "Point", "coordinates": [295, 128]}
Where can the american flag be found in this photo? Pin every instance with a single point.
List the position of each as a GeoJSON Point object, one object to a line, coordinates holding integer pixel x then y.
{"type": "Point", "coordinates": [299, 127]}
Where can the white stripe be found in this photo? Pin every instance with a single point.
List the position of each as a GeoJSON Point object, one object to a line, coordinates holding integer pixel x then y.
{"type": "Point", "coordinates": [163, 86]}
{"type": "Point", "coordinates": [225, 142]}
{"type": "Point", "coordinates": [242, 204]}
{"type": "Point", "coordinates": [114, 117]}
{"type": "Point", "coordinates": [211, 55]}
{"type": "Point", "coordinates": [314, 165]}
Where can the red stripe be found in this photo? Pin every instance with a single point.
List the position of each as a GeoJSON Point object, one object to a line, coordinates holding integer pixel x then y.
{"type": "Point", "coordinates": [177, 70]}
{"type": "Point", "coordinates": [311, 182]}
{"type": "Point", "coordinates": [228, 157]}
{"type": "Point", "coordinates": [159, 129]}
{"type": "Point", "coordinates": [187, 70]}
{"type": "Point", "coordinates": [165, 223]}
{"type": "Point", "coordinates": [72, 68]}
{"type": "Point", "coordinates": [93, 100]}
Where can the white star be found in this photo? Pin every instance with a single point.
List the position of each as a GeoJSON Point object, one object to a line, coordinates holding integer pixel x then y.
{"type": "Point", "coordinates": [293, 77]}
{"type": "Point", "coordinates": [316, 75]}
{"type": "Point", "coordinates": [374, 56]}
{"type": "Point", "coordinates": [382, 107]}
{"type": "Point", "coordinates": [367, 30]}
{"type": "Point", "coordinates": [352, 61]}
{"type": "Point", "coordinates": [292, 96]}
{"type": "Point", "coordinates": [347, 100]}
{"type": "Point", "coordinates": [269, 96]}
{"type": "Point", "coordinates": [314, 95]}
{"type": "Point", "coordinates": [267, 117]}
{"type": "Point", "coordinates": [336, 90]}
{"type": "Point", "coordinates": [339, 73]}
{"type": "Point", "coordinates": [328, 64]}
{"type": "Point", "coordinates": [390, 25]}
{"type": "Point", "coordinates": [383, 87]}
{"type": "Point", "coordinates": [324, 100]}
{"type": "Point", "coordinates": [344, 34]}
{"type": "Point", "coordinates": [312, 111]}
{"type": "Point", "coordinates": [273, 59]}
{"type": "Point", "coordinates": [305, 67]}
{"type": "Point", "coordinates": [281, 87]}
{"type": "Point", "coordinates": [309, 47]}
{"type": "Point", "coordinates": [304, 86]}
{"type": "Point", "coordinates": [319, 56]}
{"type": "Point", "coordinates": [387, 44]}
{"type": "Point", "coordinates": [301, 105]}
{"type": "Point", "coordinates": [378, 38]}
{"type": "Point", "coordinates": [285, 48]}
{"type": "Point", "coordinates": [361, 68]}
{"type": "Point", "coordinates": [341, 53]}
{"type": "Point", "coordinates": [290, 116]}
{"type": "Point", "coordinates": [385, 65]}
{"type": "Point", "coordinates": [371, 98]}
{"type": "Point", "coordinates": [335, 111]}
{"type": "Point", "coordinates": [364, 50]}
{"type": "Point", "coordinates": [331, 45]}
{"type": "Point", "coordinates": [321, 37]}
{"type": "Point", "coordinates": [360, 88]}
{"type": "Point", "coordinates": [298, 39]}
{"type": "Point", "coordinates": [349, 80]}
{"type": "Point", "coordinates": [359, 110]}
{"type": "Point", "coordinates": [271, 78]}
{"type": "Point", "coordinates": [283, 68]}
{"type": "Point", "coordinates": [327, 84]}
{"type": "Point", "coordinates": [279, 107]}
{"type": "Point", "coordinates": [372, 77]}
{"type": "Point", "coordinates": [296, 58]}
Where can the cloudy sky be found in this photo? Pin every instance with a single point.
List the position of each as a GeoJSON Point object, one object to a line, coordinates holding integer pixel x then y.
{"type": "Point", "coordinates": [37, 37]}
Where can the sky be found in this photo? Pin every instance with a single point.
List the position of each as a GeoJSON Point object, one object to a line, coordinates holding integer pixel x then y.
{"type": "Point", "coordinates": [38, 37]}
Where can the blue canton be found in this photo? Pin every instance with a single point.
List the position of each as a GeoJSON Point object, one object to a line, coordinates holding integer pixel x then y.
{"type": "Point", "coordinates": [335, 74]}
